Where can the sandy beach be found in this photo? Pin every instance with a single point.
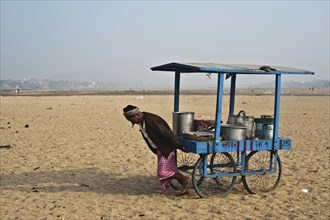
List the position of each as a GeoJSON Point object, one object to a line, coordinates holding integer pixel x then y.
{"type": "Point", "coordinates": [76, 157]}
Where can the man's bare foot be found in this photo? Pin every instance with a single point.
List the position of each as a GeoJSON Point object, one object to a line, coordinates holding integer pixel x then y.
{"type": "Point", "coordinates": [174, 187]}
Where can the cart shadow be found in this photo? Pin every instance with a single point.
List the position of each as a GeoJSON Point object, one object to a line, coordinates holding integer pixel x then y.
{"type": "Point", "coordinates": [80, 180]}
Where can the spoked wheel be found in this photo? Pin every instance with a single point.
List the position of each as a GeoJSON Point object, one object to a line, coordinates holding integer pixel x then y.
{"type": "Point", "coordinates": [186, 162]}
{"type": "Point", "coordinates": [266, 181]}
{"type": "Point", "coordinates": [217, 164]}
{"type": "Point", "coordinates": [223, 163]}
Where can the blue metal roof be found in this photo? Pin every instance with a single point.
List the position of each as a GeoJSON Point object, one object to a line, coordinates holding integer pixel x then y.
{"type": "Point", "coordinates": [228, 68]}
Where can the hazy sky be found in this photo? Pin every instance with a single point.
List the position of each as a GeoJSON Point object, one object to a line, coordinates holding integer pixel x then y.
{"type": "Point", "coordinates": [117, 40]}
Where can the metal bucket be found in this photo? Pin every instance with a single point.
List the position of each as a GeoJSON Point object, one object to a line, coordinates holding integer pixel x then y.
{"type": "Point", "coordinates": [183, 122]}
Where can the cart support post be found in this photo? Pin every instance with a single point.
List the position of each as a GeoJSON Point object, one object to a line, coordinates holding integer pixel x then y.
{"type": "Point", "coordinates": [219, 107]}
{"type": "Point", "coordinates": [176, 91]}
{"type": "Point", "coordinates": [276, 110]}
{"type": "Point", "coordinates": [232, 94]}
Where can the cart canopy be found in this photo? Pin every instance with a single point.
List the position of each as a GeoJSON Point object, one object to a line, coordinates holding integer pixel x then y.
{"type": "Point", "coordinates": [228, 68]}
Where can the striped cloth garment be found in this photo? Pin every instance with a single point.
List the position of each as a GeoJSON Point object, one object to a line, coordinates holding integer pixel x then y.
{"type": "Point", "coordinates": [166, 169]}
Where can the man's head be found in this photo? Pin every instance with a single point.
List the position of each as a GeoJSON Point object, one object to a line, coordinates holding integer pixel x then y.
{"type": "Point", "coordinates": [133, 114]}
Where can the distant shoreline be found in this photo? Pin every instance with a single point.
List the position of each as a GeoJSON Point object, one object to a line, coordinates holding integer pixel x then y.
{"type": "Point", "coordinates": [244, 91]}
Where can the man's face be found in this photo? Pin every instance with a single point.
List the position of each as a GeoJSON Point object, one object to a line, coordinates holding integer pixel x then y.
{"type": "Point", "coordinates": [133, 119]}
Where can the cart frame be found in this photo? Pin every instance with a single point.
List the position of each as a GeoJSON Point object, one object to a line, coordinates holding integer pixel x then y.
{"type": "Point", "coordinates": [205, 167]}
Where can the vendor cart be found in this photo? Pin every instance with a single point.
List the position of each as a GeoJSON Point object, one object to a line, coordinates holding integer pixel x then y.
{"type": "Point", "coordinates": [210, 162]}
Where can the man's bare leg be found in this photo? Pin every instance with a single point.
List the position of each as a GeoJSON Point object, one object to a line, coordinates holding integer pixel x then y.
{"type": "Point", "coordinates": [183, 180]}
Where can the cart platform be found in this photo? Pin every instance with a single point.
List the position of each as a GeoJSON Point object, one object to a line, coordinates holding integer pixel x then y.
{"type": "Point", "coordinates": [206, 147]}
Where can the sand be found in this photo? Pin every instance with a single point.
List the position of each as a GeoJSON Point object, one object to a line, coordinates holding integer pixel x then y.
{"type": "Point", "coordinates": [76, 157]}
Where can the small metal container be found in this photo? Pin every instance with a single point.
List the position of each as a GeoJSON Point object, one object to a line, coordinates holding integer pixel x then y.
{"type": "Point", "coordinates": [267, 132]}
{"type": "Point", "coordinates": [233, 132]}
{"type": "Point", "coordinates": [264, 127]}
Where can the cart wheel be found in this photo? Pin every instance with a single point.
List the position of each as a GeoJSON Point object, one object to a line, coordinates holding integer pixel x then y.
{"type": "Point", "coordinates": [260, 161]}
{"type": "Point", "coordinates": [186, 162]}
{"type": "Point", "coordinates": [219, 186]}
{"type": "Point", "coordinates": [224, 163]}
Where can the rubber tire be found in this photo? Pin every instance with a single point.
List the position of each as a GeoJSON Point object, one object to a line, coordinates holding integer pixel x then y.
{"type": "Point", "coordinates": [256, 183]}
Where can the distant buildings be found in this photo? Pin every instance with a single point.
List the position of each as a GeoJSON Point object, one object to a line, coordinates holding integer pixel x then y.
{"type": "Point", "coordinates": [44, 84]}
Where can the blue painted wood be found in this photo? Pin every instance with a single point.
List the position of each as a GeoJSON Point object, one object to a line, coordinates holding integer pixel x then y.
{"type": "Point", "coordinates": [218, 116]}
{"type": "Point", "coordinates": [243, 161]}
{"type": "Point", "coordinates": [206, 147]}
{"type": "Point", "coordinates": [276, 109]}
{"type": "Point", "coordinates": [232, 94]}
{"type": "Point", "coordinates": [176, 91]}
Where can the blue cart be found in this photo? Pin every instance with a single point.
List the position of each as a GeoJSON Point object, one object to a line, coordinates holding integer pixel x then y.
{"type": "Point", "coordinates": [216, 165]}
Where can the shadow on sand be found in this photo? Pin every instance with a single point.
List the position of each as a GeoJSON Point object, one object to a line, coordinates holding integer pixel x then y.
{"type": "Point", "coordinates": [88, 180]}
{"type": "Point", "coordinates": [80, 180]}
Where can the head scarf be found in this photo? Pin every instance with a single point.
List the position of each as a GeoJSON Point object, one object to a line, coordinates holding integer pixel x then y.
{"type": "Point", "coordinates": [131, 112]}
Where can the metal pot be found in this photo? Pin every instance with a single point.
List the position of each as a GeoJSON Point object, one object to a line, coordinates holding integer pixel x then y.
{"type": "Point", "coordinates": [243, 120]}
{"type": "Point", "coordinates": [233, 132]}
{"type": "Point", "coordinates": [183, 122]}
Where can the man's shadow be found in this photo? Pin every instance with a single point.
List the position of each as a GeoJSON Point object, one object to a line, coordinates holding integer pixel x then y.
{"type": "Point", "coordinates": [79, 180]}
